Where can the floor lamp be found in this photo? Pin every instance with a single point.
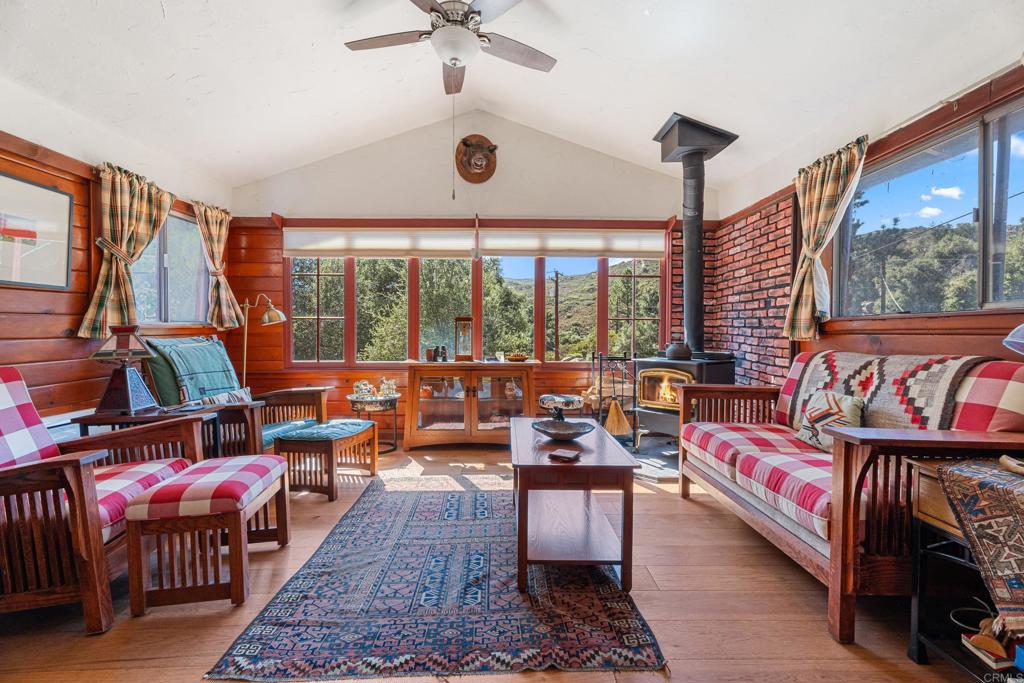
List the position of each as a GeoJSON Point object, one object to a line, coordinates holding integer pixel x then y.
{"type": "Point", "coordinates": [271, 316]}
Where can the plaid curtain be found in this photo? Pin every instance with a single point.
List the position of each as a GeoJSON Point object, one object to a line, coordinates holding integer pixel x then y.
{"type": "Point", "coordinates": [824, 191]}
{"type": "Point", "coordinates": [225, 313]}
{"type": "Point", "coordinates": [133, 210]}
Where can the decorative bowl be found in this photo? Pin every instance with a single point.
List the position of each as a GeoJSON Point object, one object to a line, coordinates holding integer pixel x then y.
{"type": "Point", "coordinates": [560, 430]}
{"type": "Point", "coordinates": [517, 357]}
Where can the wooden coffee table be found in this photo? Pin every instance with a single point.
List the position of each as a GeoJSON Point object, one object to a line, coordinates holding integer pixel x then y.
{"type": "Point", "coordinates": [559, 518]}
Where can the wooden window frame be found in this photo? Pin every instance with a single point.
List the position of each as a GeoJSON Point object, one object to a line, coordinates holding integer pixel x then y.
{"type": "Point", "coordinates": [633, 319]}
{"type": "Point", "coordinates": [348, 341]}
{"type": "Point", "coordinates": [413, 298]}
{"type": "Point", "coordinates": [182, 211]}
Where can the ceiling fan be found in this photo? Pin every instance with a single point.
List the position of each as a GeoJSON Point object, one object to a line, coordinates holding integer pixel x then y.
{"type": "Point", "coordinates": [456, 37]}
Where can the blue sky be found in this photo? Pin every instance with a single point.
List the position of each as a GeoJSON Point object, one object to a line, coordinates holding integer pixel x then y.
{"type": "Point", "coordinates": [936, 193]}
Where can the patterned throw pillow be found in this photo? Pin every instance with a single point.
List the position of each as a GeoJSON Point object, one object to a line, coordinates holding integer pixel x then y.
{"type": "Point", "coordinates": [829, 409]}
{"type": "Point", "coordinates": [242, 395]}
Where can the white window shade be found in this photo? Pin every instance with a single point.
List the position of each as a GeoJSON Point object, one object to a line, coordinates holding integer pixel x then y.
{"type": "Point", "coordinates": [379, 242]}
{"type": "Point", "coordinates": [641, 243]}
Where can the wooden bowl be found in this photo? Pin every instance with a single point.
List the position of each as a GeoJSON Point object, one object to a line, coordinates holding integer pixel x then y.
{"type": "Point", "coordinates": [562, 430]}
{"type": "Point", "coordinates": [517, 358]}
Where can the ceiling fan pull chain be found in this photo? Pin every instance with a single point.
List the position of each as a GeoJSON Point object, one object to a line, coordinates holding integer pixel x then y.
{"type": "Point", "coordinates": [453, 145]}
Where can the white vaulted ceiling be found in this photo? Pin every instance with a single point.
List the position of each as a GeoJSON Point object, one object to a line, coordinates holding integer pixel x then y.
{"type": "Point", "coordinates": [245, 89]}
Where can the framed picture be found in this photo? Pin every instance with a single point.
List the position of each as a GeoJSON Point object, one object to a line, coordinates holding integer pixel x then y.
{"type": "Point", "coordinates": [35, 235]}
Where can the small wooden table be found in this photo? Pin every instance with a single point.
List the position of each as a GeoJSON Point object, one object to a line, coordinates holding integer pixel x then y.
{"type": "Point", "coordinates": [209, 413]}
{"type": "Point", "coordinates": [567, 526]}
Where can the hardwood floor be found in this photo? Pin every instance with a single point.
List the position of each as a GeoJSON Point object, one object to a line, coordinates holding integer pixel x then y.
{"type": "Point", "coordinates": [724, 603]}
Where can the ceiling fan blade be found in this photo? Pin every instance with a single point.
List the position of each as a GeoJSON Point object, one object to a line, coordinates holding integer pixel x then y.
{"type": "Point", "coordinates": [390, 40]}
{"type": "Point", "coordinates": [517, 53]}
{"type": "Point", "coordinates": [429, 6]}
{"type": "Point", "coordinates": [454, 77]}
{"type": "Point", "coordinates": [492, 9]}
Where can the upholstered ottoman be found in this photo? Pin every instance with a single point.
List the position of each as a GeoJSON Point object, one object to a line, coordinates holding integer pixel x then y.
{"type": "Point", "coordinates": [186, 518]}
{"type": "Point", "coordinates": [315, 453]}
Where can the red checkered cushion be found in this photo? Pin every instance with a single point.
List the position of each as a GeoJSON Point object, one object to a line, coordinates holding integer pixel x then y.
{"type": "Point", "coordinates": [788, 391]}
{"type": "Point", "coordinates": [991, 399]}
{"type": "Point", "coordinates": [23, 437]}
{"type": "Point", "coordinates": [799, 485]}
{"type": "Point", "coordinates": [209, 487]}
{"type": "Point", "coordinates": [719, 443]}
{"type": "Point", "coordinates": [116, 485]}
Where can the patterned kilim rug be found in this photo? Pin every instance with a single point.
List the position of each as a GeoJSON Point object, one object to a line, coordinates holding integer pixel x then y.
{"type": "Point", "coordinates": [419, 582]}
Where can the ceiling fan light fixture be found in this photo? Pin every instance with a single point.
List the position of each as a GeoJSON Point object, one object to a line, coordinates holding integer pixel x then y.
{"type": "Point", "coordinates": [455, 45]}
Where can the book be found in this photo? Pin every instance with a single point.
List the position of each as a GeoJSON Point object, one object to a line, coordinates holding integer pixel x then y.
{"type": "Point", "coordinates": [564, 455]}
{"type": "Point", "coordinates": [992, 661]}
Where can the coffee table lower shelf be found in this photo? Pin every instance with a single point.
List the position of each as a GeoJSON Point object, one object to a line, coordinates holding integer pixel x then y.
{"type": "Point", "coordinates": [569, 527]}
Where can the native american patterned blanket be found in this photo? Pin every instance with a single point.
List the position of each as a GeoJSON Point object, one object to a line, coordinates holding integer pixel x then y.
{"type": "Point", "coordinates": [424, 582]}
{"type": "Point", "coordinates": [988, 503]}
{"type": "Point", "coordinates": [899, 392]}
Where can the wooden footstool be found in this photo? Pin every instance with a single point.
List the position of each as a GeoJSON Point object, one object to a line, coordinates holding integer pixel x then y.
{"type": "Point", "coordinates": [315, 453]}
{"type": "Point", "coordinates": [185, 519]}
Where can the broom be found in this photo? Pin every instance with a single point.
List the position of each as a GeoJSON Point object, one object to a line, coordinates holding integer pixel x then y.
{"type": "Point", "coordinates": [616, 422]}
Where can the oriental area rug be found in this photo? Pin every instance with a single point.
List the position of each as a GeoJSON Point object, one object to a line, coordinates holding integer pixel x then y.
{"type": "Point", "coordinates": [414, 581]}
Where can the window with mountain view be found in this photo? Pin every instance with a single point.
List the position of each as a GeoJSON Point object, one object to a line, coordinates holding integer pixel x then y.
{"type": "Point", "coordinates": [318, 309]}
{"type": "Point", "coordinates": [634, 294]}
{"type": "Point", "coordinates": [1006, 228]}
{"type": "Point", "coordinates": [910, 241]}
{"type": "Point", "coordinates": [570, 325]}
{"type": "Point", "coordinates": [382, 309]}
{"type": "Point", "coordinates": [508, 305]}
{"type": "Point", "coordinates": [445, 294]}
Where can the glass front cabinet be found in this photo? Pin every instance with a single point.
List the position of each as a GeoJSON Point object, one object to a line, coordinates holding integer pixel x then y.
{"type": "Point", "coordinates": [466, 402]}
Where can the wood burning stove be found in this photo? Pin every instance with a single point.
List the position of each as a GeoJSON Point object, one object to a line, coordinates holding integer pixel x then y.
{"type": "Point", "coordinates": [658, 380]}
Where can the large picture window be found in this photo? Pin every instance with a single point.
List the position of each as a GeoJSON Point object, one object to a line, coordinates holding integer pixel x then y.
{"type": "Point", "coordinates": [382, 300]}
{"type": "Point", "coordinates": [508, 305]}
{"type": "Point", "coordinates": [634, 301]}
{"type": "Point", "coordinates": [318, 309]}
{"type": "Point", "coordinates": [175, 256]}
{"type": "Point", "coordinates": [445, 293]}
{"type": "Point", "coordinates": [530, 291]}
{"type": "Point", "coordinates": [570, 308]}
{"type": "Point", "coordinates": [940, 228]}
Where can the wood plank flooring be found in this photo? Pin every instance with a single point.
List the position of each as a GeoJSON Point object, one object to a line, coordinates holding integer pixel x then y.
{"type": "Point", "coordinates": [724, 604]}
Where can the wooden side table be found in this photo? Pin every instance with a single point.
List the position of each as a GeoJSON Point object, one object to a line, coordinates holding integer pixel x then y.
{"type": "Point", "coordinates": [936, 535]}
{"type": "Point", "coordinates": [559, 520]}
{"type": "Point", "coordinates": [211, 423]}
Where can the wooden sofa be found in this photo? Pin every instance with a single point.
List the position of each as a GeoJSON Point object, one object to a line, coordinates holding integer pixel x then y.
{"type": "Point", "coordinates": [247, 427]}
{"type": "Point", "coordinates": [805, 501]}
{"type": "Point", "coordinates": [62, 528]}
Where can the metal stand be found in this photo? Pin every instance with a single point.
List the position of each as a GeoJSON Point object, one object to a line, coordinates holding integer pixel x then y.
{"type": "Point", "coordinates": [622, 370]}
{"type": "Point", "coordinates": [394, 427]}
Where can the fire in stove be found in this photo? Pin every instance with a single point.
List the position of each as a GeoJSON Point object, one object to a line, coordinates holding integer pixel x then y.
{"type": "Point", "coordinates": [658, 387]}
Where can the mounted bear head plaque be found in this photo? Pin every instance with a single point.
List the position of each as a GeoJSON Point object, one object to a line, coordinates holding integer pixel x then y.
{"type": "Point", "coordinates": [476, 158]}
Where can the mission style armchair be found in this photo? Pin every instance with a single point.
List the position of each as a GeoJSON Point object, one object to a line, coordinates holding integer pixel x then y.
{"type": "Point", "coordinates": [844, 516]}
{"type": "Point", "coordinates": [62, 526]}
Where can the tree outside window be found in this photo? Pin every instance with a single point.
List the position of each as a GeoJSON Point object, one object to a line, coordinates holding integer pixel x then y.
{"type": "Point", "coordinates": [570, 308]}
{"type": "Point", "coordinates": [508, 305]}
{"type": "Point", "coordinates": [634, 300]}
{"type": "Point", "coordinates": [445, 294]}
{"type": "Point", "coordinates": [318, 309]}
{"type": "Point", "coordinates": [382, 309]}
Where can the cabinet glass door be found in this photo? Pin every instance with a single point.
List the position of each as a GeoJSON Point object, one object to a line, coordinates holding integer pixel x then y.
{"type": "Point", "coordinates": [499, 398]}
{"type": "Point", "coordinates": [442, 403]}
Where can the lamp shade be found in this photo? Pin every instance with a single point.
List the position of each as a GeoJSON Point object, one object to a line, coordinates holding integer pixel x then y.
{"type": "Point", "coordinates": [1015, 340]}
{"type": "Point", "coordinates": [272, 316]}
{"type": "Point", "coordinates": [455, 45]}
{"type": "Point", "coordinates": [124, 344]}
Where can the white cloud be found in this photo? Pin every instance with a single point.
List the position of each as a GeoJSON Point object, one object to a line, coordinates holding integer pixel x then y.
{"type": "Point", "coordinates": [926, 198]}
{"type": "Point", "coordinates": [948, 192]}
{"type": "Point", "coordinates": [1017, 145]}
{"type": "Point", "coordinates": [929, 212]}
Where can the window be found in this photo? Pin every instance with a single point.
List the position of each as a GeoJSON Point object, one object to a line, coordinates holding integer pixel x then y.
{"type": "Point", "coordinates": [634, 300]}
{"type": "Point", "coordinates": [508, 305]}
{"type": "Point", "coordinates": [382, 309]}
{"type": "Point", "coordinates": [445, 293]}
{"type": "Point", "coordinates": [939, 229]}
{"type": "Point", "coordinates": [171, 279]}
{"type": "Point", "coordinates": [318, 309]}
{"type": "Point", "coordinates": [570, 308]}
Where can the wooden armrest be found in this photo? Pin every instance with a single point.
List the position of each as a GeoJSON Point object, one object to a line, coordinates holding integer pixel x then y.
{"type": "Point", "coordinates": [292, 390]}
{"type": "Point", "coordinates": [156, 432]}
{"type": "Point", "coordinates": [726, 391]}
{"type": "Point", "coordinates": [229, 406]}
{"type": "Point", "coordinates": [927, 442]}
{"type": "Point", "coordinates": [55, 463]}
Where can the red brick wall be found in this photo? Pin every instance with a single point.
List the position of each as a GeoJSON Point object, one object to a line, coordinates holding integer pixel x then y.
{"type": "Point", "coordinates": [748, 270]}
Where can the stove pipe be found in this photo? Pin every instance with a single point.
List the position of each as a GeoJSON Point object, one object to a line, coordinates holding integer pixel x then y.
{"type": "Point", "coordinates": [692, 142]}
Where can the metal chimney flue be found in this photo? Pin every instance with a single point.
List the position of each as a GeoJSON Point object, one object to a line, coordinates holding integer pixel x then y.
{"type": "Point", "coordinates": [692, 143]}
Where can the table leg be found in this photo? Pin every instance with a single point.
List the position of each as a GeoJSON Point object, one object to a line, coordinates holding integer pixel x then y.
{"type": "Point", "coordinates": [522, 528]}
{"type": "Point", "coordinates": [627, 532]}
{"type": "Point", "coordinates": [83, 430]}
